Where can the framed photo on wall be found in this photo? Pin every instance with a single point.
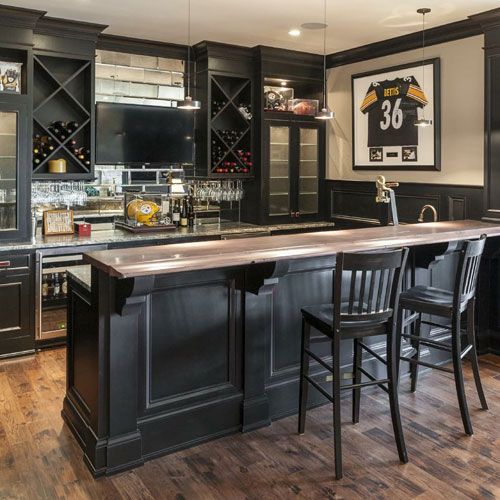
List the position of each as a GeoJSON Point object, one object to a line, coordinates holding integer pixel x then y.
{"type": "Point", "coordinates": [385, 106]}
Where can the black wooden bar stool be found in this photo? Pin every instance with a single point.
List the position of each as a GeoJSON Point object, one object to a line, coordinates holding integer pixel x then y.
{"type": "Point", "coordinates": [365, 297]}
{"type": "Point", "coordinates": [450, 305]}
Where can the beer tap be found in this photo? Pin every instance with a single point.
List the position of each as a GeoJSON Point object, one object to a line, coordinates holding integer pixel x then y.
{"type": "Point", "coordinates": [385, 194]}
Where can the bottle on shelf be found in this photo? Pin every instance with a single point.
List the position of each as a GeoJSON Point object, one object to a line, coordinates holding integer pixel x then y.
{"type": "Point", "coordinates": [56, 287]}
{"type": "Point", "coordinates": [64, 285]}
{"type": "Point", "coordinates": [45, 287]}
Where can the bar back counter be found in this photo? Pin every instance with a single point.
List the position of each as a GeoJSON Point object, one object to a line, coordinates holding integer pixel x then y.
{"type": "Point", "coordinates": [174, 345]}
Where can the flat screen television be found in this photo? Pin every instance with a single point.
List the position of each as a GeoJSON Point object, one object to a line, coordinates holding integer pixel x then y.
{"type": "Point", "coordinates": [134, 134]}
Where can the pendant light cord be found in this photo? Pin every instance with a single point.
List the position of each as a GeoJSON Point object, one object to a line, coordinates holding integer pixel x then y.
{"type": "Point", "coordinates": [423, 51]}
{"type": "Point", "coordinates": [324, 57]}
{"type": "Point", "coordinates": [189, 50]}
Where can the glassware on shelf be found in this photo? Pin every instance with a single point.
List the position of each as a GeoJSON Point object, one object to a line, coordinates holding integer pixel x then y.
{"type": "Point", "coordinates": [218, 191]}
{"type": "Point", "coordinates": [63, 193]}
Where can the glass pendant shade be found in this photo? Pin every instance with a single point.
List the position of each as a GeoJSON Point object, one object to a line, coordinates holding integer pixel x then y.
{"type": "Point", "coordinates": [189, 103]}
{"type": "Point", "coordinates": [325, 114]}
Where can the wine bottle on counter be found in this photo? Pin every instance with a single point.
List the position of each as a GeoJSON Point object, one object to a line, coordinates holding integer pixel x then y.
{"type": "Point", "coordinates": [191, 212]}
{"type": "Point", "coordinates": [176, 213]}
{"type": "Point", "coordinates": [184, 214]}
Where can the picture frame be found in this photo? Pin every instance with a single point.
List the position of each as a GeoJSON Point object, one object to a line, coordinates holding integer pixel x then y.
{"type": "Point", "coordinates": [385, 105]}
{"type": "Point", "coordinates": [58, 222]}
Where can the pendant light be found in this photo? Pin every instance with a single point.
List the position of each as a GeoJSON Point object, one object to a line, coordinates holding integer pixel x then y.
{"type": "Point", "coordinates": [188, 102]}
{"type": "Point", "coordinates": [422, 122]}
{"type": "Point", "coordinates": [325, 113]}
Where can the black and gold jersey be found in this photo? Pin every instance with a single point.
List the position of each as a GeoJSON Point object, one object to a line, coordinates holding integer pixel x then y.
{"type": "Point", "coordinates": [392, 110]}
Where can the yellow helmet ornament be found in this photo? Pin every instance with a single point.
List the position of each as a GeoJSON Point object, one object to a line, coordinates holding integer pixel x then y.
{"type": "Point", "coordinates": [142, 211]}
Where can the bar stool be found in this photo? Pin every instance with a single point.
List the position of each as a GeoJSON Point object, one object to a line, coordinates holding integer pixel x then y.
{"type": "Point", "coordinates": [450, 305]}
{"type": "Point", "coordinates": [372, 283]}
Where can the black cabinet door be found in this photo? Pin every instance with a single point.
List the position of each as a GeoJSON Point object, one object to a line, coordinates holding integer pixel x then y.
{"type": "Point", "coordinates": [279, 170]}
{"type": "Point", "coordinates": [307, 169]}
{"type": "Point", "coordinates": [14, 168]}
{"type": "Point", "coordinates": [294, 156]}
{"type": "Point", "coordinates": [16, 332]}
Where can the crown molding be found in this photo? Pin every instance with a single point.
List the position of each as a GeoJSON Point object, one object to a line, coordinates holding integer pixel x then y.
{"type": "Point", "coordinates": [154, 48]}
{"type": "Point", "coordinates": [16, 17]}
{"type": "Point", "coordinates": [487, 20]}
{"type": "Point", "coordinates": [67, 28]}
{"type": "Point", "coordinates": [440, 34]}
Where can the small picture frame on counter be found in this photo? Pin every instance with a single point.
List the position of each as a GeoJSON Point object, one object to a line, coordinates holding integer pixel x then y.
{"type": "Point", "coordinates": [57, 222]}
{"type": "Point", "coordinates": [10, 77]}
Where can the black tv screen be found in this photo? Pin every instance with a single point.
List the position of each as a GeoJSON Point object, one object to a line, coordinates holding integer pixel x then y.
{"type": "Point", "coordinates": [132, 134]}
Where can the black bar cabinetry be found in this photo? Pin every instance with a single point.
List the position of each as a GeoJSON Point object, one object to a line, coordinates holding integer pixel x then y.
{"type": "Point", "coordinates": [64, 84]}
{"type": "Point", "coordinates": [290, 149]}
{"type": "Point", "coordinates": [17, 299]}
{"type": "Point", "coordinates": [224, 128]}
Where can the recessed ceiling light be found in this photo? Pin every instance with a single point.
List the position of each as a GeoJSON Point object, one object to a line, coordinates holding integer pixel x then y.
{"type": "Point", "coordinates": [283, 83]}
{"type": "Point", "coordinates": [294, 32]}
{"type": "Point", "coordinates": [314, 26]}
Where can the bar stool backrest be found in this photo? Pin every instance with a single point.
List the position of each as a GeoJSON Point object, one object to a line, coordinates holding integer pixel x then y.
{"type": "Point", "coordinates": [367, 285]}
{"type": "Point", "coordinates": [468, 270]}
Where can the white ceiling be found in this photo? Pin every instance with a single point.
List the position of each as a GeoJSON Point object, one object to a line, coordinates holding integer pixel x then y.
{"type": "Point", "coordinates": [252, 22]}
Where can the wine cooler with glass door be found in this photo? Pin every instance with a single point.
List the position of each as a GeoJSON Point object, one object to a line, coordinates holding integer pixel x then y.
{"type": "Point", "coordinates": [52, 296]}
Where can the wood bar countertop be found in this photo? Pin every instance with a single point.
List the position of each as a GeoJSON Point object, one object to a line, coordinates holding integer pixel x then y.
{"type": "Point", "coordinates": [182, 257]}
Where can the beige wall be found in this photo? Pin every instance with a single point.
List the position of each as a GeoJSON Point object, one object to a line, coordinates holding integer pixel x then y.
{"type": "Point", "coordinates": [462, 115]}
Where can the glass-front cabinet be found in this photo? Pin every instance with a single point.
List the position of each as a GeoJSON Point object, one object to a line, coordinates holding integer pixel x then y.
{"type": "Point", "coordinates": [295, 161]}
{"type": "Point", "coordinates": [14, 170]}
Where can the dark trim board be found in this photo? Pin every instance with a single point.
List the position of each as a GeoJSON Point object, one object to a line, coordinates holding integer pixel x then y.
{"type": "Point", "coordinates": [352, 203]}
{"type": "Point", "coordinates": [434, 36]}
{"type": "Point", "coordinates": [142, 47]}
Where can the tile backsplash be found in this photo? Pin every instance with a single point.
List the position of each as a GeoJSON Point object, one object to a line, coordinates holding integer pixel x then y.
{"type": "Point", "coordinates": [136, 79]}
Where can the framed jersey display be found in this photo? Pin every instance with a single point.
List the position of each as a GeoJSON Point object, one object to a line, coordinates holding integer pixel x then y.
{"type": "Point", "coordinates": [386, 104]}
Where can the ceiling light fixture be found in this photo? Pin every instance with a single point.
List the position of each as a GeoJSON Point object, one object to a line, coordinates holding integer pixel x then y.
{"type": "Point", "coordinates": [294, 32]}
{"type": "Point", "coordinates": [325, 113]}
{"type": "Point", "coordinates": [188, 102]}
{"type": "Point", "coordinates": [423, 122]}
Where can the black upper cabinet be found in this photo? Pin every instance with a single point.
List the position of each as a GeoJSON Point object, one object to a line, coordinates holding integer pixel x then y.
{"type": "Point", "coordinates": [16, 41]}
{"type": "Point", "coordinates": [64, 85]}
{"type": "Point", "coordinates": [224, 128]}
{"type": "Point", "coordinates": [289, 161]}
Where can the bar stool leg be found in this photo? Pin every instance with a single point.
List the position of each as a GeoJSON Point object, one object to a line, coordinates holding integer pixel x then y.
{"type": "Point", "coordinates": [416, 355]}
{"type": "Point", "coordinates": [337, 436]}
{"type": "Point", "coordinates": [471, 336]}
{"type": "Point", "coordinates": [398, 333]}
{"type": "Point", "coordinates": [459, 377]}
{"type": "Point", "coordinates": [356, 393]}
{"type": "Point", "coordinates": [393, 354]}
{"type": "Point", "coordinates": [304, 370]}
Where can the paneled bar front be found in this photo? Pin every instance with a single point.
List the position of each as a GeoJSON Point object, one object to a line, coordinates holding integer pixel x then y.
{"type": "Point", "coordinates": [174, 345]}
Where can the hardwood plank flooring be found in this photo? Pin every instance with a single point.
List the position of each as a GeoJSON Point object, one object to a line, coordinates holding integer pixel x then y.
{"type": "Point", "coordinates": [39, 458]}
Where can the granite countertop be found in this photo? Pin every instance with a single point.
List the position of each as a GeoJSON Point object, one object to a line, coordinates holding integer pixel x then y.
{"type": "Point", "coordinates": [180, 257]}
{"type": "Point", "coordinates": [82, 275]}
{"type": "Point", "coordinates": [103, 237]}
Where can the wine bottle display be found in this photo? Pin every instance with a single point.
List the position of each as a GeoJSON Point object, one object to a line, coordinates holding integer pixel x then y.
{"type": "Point", "coordinates": [45, 145]}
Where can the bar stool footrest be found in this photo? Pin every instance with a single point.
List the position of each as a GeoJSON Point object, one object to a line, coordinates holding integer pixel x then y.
{"type": "Point", "coordinates": [428, 365]}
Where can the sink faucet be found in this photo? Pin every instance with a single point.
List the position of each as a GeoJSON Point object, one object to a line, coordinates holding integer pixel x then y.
{"type": "Point", "coordinates": [422, 213]}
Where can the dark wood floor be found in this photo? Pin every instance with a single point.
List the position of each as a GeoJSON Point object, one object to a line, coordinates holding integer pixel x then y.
{"type": "Point", "coordinates": [40, 459]}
